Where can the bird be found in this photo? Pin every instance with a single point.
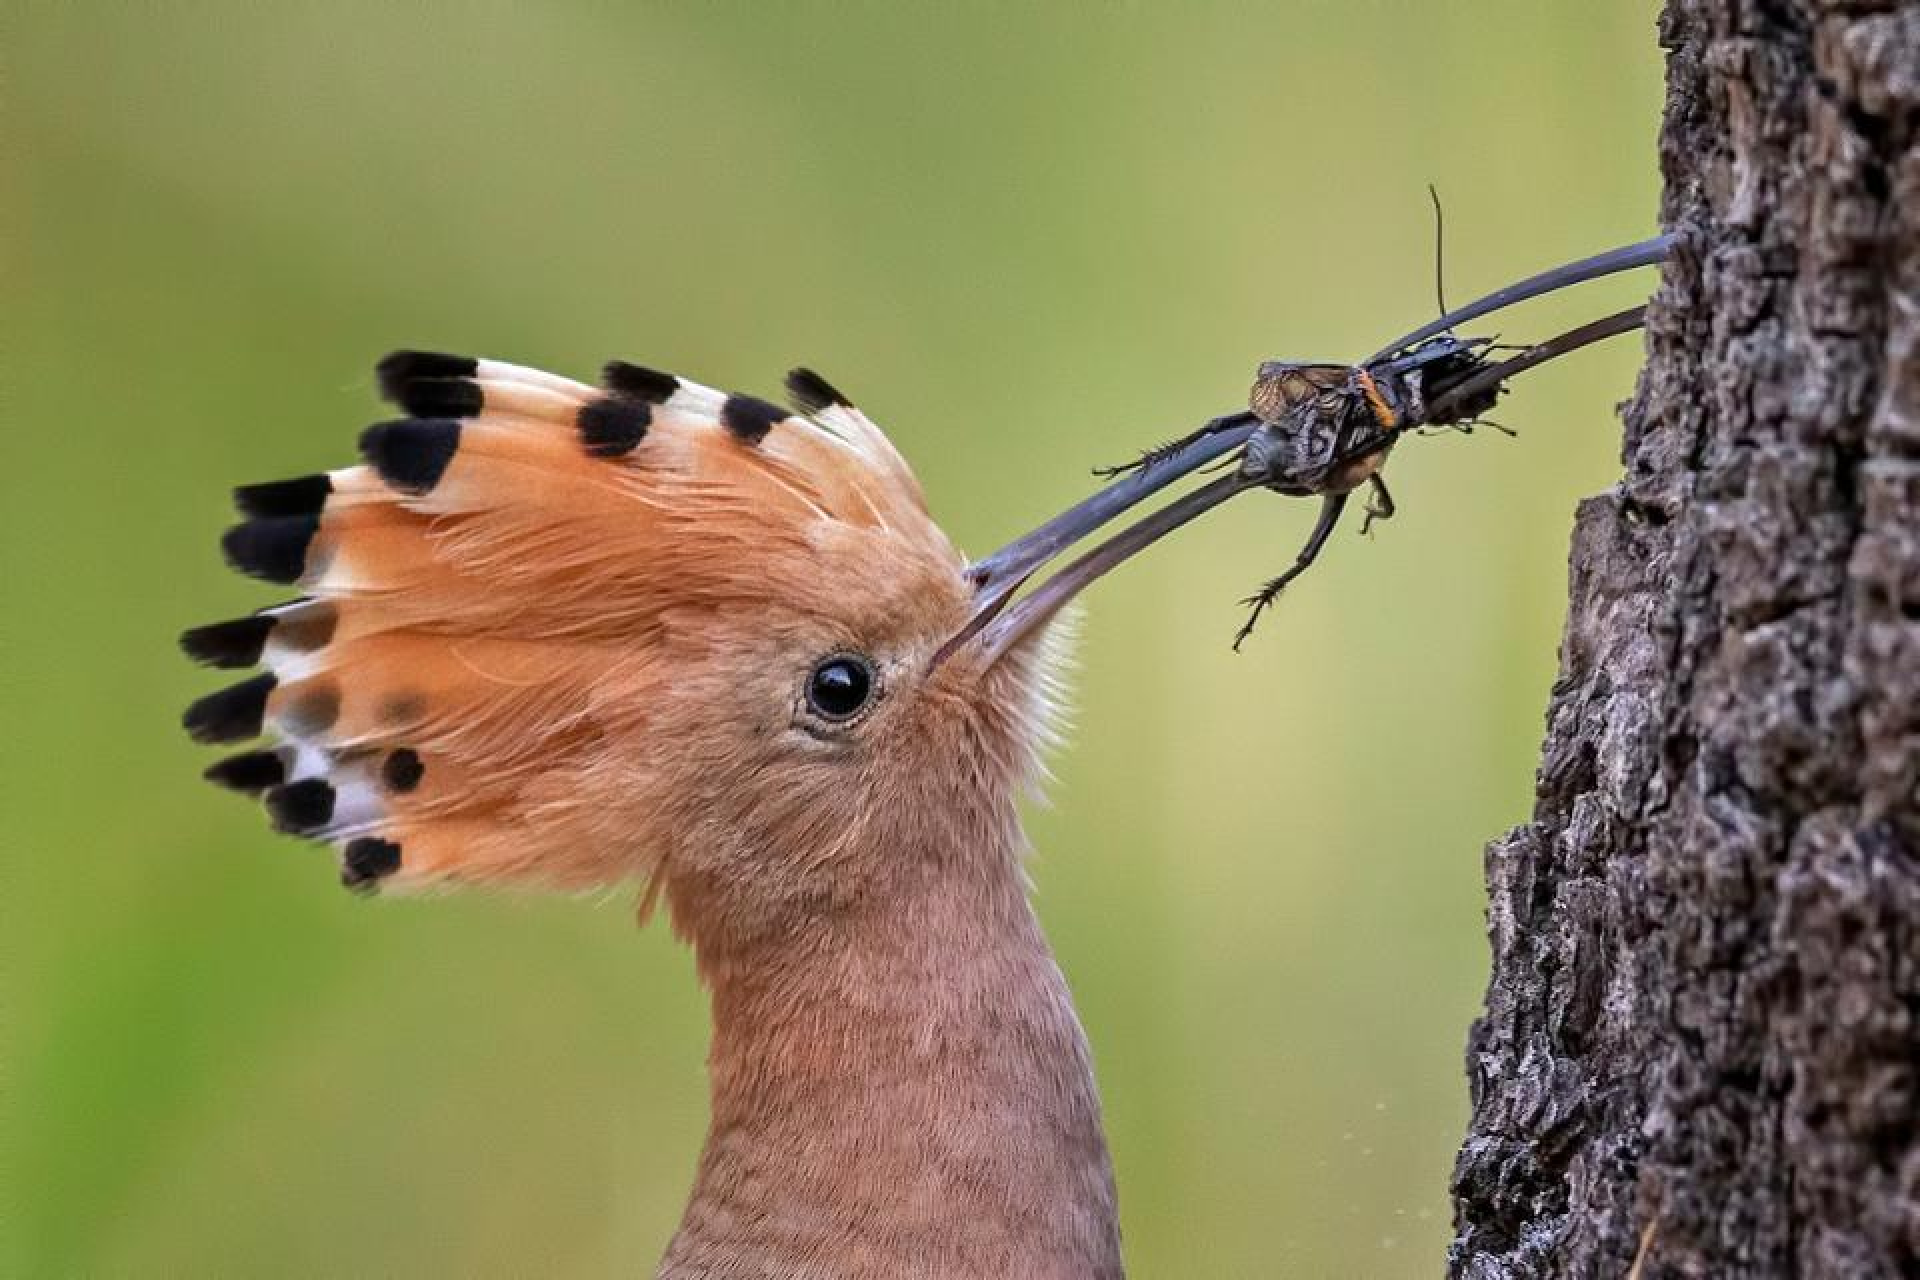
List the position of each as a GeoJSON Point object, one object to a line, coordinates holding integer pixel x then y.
{"type": "Point", "coordinates": [559, 635]}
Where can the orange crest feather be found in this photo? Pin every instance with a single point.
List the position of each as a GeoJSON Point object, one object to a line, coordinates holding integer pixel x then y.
{"type": "Point", "coordinates": [498, 600]}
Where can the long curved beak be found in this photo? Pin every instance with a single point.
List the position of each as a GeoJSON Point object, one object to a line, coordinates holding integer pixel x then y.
{"type": "Point", "coordinates": [996, 578]}
{"type": "Point", "coordinates": [998, 622]}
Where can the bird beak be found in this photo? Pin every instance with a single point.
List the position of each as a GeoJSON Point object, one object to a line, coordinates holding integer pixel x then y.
{"type": "Point", "coordinates": [998, 623]}
{"type": "Point", "coordinates": [996, 578]}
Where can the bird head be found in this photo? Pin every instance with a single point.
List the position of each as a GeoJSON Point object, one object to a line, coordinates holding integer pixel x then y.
{"type": "Point", "coordinates": [576, 636]}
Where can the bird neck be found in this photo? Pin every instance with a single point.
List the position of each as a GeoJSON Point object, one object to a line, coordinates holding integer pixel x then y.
{"type": "Point", "coordinates": [902, 1088]}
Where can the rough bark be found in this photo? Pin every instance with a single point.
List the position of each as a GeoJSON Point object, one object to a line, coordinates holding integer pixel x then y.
{"type": "Point", "coordinates": [1700, 1053]}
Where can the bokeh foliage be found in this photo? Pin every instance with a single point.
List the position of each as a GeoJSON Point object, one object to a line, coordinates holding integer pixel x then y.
{"type": "Point", "coordinates": [1028, 239]}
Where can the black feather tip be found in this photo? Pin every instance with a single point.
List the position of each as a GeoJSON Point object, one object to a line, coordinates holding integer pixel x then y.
{"type": "Point", "coordinates": [301, 496]}
{"type": "Point", "coordinates": [251, 772]}
{"type": "Point", "coordinates": [749, 418]}
{"type": "Point", "coordinates": [236, 643]}
{"type": "Point", "coordinates": [812, 393]}
{"type": "Point", "coordinates": [232, 714]}
{"type": "Point", "coordinates": [411, 454]}
{"type": "Point", "coordinates": [441, 398]}
{"type": "Point", "coordinates": [613, 425]}
{"type": "Point", "coordinates": [273, 548]}
{"type": "Point", "coordinates": [638, 381]}
{"type": "Point", "coordinates": [301, 808]}
{"type": "Point", "coordinates": [366, 860]}
{"type": "Point", "coordinates": [399, 368]}
{"type": "Point", "coordinates": [401, 771]}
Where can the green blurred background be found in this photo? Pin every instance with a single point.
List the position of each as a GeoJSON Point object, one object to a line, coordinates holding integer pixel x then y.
{"type": "Point", "coordinates": [1028, 240]}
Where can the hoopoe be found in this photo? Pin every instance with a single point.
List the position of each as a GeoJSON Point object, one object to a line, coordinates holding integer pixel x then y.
{"type": "Point", "coordinates": [647, 633]}
{"type": "Point", "coordinates": [567, 636]}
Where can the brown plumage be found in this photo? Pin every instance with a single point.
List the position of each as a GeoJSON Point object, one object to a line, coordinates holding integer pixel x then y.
{"type": "Point", "coordinates": [564, 636]}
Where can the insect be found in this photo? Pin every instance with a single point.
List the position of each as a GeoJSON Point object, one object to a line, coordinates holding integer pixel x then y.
{"type": "Point", "coordinates": [1317, 422]}
{"type": "Point", "coordinates": [1324, 429]}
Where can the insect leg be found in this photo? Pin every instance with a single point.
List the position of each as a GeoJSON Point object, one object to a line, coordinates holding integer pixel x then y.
{"type": "Point", "coordinates": [1330, 508]}
{"type": "Point", "coordinates": [1161, 452]}
{"type": "Point", "coordinates": [1379, 503]}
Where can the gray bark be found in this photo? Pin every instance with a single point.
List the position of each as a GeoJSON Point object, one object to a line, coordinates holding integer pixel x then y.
{"type": "Point", "coordinates": [1700, 1053]}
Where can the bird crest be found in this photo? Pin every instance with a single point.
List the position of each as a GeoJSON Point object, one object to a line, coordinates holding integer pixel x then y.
{"type": "Point", "coordinates": [503, 604]}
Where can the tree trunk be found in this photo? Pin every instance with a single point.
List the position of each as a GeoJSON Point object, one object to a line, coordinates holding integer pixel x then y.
{"type": "Point", "coordinates": [1700, 1054]}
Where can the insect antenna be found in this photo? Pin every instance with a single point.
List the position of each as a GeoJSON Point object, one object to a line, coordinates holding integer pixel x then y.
{"type": "Point", "coordinates": [1467, 427]}
{"type": "Point", "coordinates": [1439, 249]}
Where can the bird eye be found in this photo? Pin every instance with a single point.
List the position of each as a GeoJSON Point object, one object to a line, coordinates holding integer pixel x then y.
{"type": "Point", "coordinates": [839, 687]}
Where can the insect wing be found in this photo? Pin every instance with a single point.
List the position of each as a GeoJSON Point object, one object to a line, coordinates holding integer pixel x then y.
{"type": "Point", "coordinates": [1282, 387]}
